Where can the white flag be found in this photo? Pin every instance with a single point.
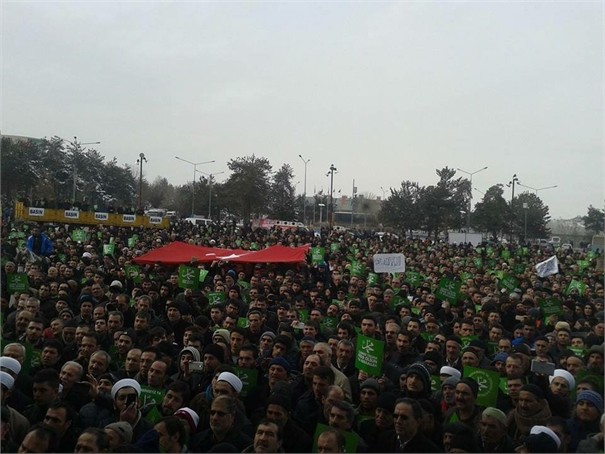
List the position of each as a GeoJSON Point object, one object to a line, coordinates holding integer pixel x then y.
{"type": "Point", "coordinates": [548, 267]}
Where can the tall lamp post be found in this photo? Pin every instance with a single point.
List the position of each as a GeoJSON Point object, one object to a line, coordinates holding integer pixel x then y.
{"type": "Point", "coordinates": [75, 172]}
{"type": "Point", "coordinates": [536, 190]}
{"type": "Point", "coordinates": [305, 189]}
{"type": "Point", "coordinates": [525, 207]}
{"type": "Point", "coordinates": [331, 207]}
{"type": "Point", "coordinates": [210, 176]}
{"type": "Point", "coordinates": [194, 164]}
{"type": "Point", "coordinates": [512, 199]}
{"type": "Point", "coordinates": [140, 163]}
{"type": "Point", "coordinates": [470, 199]}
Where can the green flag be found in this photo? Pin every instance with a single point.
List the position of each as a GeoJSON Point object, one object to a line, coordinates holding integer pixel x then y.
{"type": "Point", "coordinates": [576, 285]}
{"type": "Point", "coordinates": [203, 274]}
{"type": "Point", "coordinates": [303, 315]}
{"type": "Point", "coordinates": [334, 247]}
{"type": "Point", "coordinates": [518, 268]}
{"type": "Point", "coordinates": [216, 297]}
{"type": "Point", "coordinates": [464, 276]}
{"type": "Point", "coordinates": [466, 340]}
{"type": "Point", "coordinates": [243, 284]}
{"type": "Point", "coordinates": [133, 272]}
{"type": "Point", "coordinates": [109, 249]}
{"type": "Point", "coordinates": [488, 382]}
{"type": "Point", "coordinates": [478, 262]}
{"type": "Point", "coordinates": [505, 254]}
{"type": "Point", "coordinates": [131, 242]}
{"type": "Point", "coordinates": [435, 383]}
{"type": "Point", "coordinates": [328, 323]}
{"type": "Point", "coordinates": [317, 255]}
{"type": "Point", "coordinates": [188, 277]}
{"type": "Point", "coordinates": [249, 378]}
{"type": "Point", "coordinates": [372, 279]}
{"type": "Point", "coordinates": [413, 277]}
{"type": "Point", "coordinates": [242, 322]}
{"type": "Point", "coordinates": [509, 282]}
{"type": "Point", "coordinates": [357, 268]}
{"type": "Point", "coordinates": [17, 282]}
{"type": "Point", "coordinates": [369, 355]}
{"type": "Point", "coordinates": [583, 264]}
{"type": "Point", "coordinates": [448, 290]}
{"type": "Point", "coordinates": [78, 235]}
{"type": "Point", "coordinates": [551, 306]}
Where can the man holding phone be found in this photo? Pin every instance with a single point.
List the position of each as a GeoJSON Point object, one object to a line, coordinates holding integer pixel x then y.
{"type": "Point", "coordinates": [125, 394]}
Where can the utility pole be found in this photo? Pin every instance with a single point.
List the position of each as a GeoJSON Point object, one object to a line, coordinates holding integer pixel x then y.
{"type": "Point", "coordinates": [470, 199]}
{"type": "Point", "coordinates": [140, 163]}
{"type": "Point", "coordinates": [305, 190]}
{"type": "Point", "coordinates": [331, 207]}
{"type": "Point", "coordinates": [512, 198]}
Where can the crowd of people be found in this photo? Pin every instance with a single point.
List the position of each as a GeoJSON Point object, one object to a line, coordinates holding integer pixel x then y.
{"type": "Point", "coordinates": [102, 355]}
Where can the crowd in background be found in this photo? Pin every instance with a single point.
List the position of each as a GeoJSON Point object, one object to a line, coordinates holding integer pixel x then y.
{"type": "Point", "coordinates": [100, 358]}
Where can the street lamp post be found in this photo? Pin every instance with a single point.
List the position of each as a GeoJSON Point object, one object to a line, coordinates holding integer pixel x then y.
{"type": "Point", "coordinates": [140, 163]}
{"type": "Point", "coordinates": [512, 198]}
{"type": "Point", "coordinates": [536, 190]}
{"type": "Point", "coordinates": [75, 171]}
{"type": "Point", "coordinates": [525, 207]}
{"type": "Point", "coordinates": [321, 212]}
{"type": "Point", "coordinates": [210, 176]}
{"type": "Point", "coordinates": [331, 206]}
{"type": "Point", "coordinates": [194, 164]}
{"type": "Point", "coordinates": [305, 189]}
{"type": "Point", "coordinates": [470, 199]}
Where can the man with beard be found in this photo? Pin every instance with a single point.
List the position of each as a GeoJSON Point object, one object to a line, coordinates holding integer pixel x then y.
{"type": "Point", "coordinates": [268, 438]}
{"type": "Point", "coordinates": [493, 435]}
{"type": "Point", "coordinates": [407, 436]}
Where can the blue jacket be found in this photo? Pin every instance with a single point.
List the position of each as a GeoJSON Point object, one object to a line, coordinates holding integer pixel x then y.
{"type": "Point", "coordinates": [46, 246]}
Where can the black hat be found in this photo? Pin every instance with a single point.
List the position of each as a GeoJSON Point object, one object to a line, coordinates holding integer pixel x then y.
{"type": "Point", "coordinates": [216, 351]}
{"type": "Point", "coordinates": [472, 384]}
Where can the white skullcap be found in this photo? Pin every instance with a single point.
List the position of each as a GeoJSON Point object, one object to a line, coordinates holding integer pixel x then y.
{"type": "Point", "coordinates": [536, 430]}
{"type": "Point", "coordinates": [447, 370]}
{"type": "Point", "coordinates": [7, 380]}
{"type": "Point", "coordinates": [565, 376]}
{"type": "Point", "coordinates": [190, 416]}
{"type": "Point", "coordinates": [125, 383]}
{"type": "Point", "coordinates": [232, 379]}
{"type": "Point", "coordinates": [11, 364]}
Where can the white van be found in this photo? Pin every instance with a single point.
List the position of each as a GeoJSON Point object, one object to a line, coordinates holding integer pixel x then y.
{"type": "Point", "coordinates": [199, 221]}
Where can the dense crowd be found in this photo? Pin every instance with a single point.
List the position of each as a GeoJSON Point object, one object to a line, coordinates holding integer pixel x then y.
{"type": "Point", "coordinates": [102, 355]}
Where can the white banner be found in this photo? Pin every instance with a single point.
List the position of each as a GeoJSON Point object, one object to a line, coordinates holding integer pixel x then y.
{"type": "Point", "coordinates": [101, 216]}
{"type": "Point", "coordinates": [548, 267]}
{"type": "Point", "coordinates": [72, 214]}
{"type": "Point", "coordinates": [389, 263]}
{"type": "Point", "coordinates": [36, 211]}
{"type": "Point", "coordinates": [155, 219]}
{"type": "Point", "coordinates": [129, 217]}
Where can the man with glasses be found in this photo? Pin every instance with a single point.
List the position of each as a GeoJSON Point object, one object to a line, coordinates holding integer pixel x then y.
{"type": "Point", "coordinates": [223, 429]}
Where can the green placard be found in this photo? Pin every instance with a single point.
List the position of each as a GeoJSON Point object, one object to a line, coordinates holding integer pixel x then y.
{"type": "Point", "coordinates": [464, 276]}
{"type": "Point", "coordinates": [109, 249]}
{"type": "Point", "coordinates": [578, 351]}
{"type": "Point", "coordinates": [505, 254]}
{"type": "Point", "coordinates": [203, 274]}
{"type": "Point", "coordinates": [131, 242]}
{"type": "Point", "coordinates": [249, 378]}
{"type": "Point", "coordinates": [583, 264]}
{"type": "Point", "coordinates": [317, 255]}
{"type": "Point", "coordinates": [188, 277]}
{"type": "Point", "coordinates": [151, 396]}
{"type": "Point", "coordinates": [303, 315]}
{"type": "Point", "coordinates": [254, 246]}
{"type": "Point", "coordinates": [351, 440]}
{"type": "Point", "coordinates": [78, 235]}
{"type": "Point", "coordinates": [328, 323]}
{"type": "Point", "coordinates": [489, 251]}
{"type": "Point", "coordinates": [509, 282]}
{"type": "Point", "coordinates": [357, 268]}
{"type": "Point", "coordinates": [448, 290]}
{"type": "Point", "coordinates": [334, 247]}
{"type": "Point", "coordinates": [591, 255]}
{"type": "Point", "coordinates": [369, 355]}
{"type": "Point", "coordinates": [216, 297]}
{"type": "Point", "coordinates": [551, 306]}
{"type": "Point", "coordinates": [32, 357]}
{"type": "Point", "coordinates": [372, 279]}
{"type": "Point", "coordinates": [413, 277]}
{"type": "Point", "coordinates": [503, 385]}
{"type": "Point", "coordinates": [518, 268]}
{"type": "Point", "coordinates": [17, 282]}
{"type": "Point", "coordinates": [242, 322]}
{"type": "Point", "coordinates": [488, 382]}
{"type": "Point", "coordinates": [576, 285]}
{"type": "Point", "coordinates": [133, 272]}
{"type": "Point", "coordinates": [435, 383]}
{"type": "Point", "coordinates": [243, 284]}
{"type": "Point", "coordinates": [478, 262]}
{"type": "Point", "coordinates": [466, 340]}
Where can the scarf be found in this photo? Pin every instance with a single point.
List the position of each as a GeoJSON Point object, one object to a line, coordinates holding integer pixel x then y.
{"type": "Point", "coordinates": [524, 424]}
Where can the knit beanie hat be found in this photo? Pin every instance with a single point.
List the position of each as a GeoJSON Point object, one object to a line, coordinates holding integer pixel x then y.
{"type": "Point", "coordinates": [216, 351]}
{"type": "Point", "coordinates": [472, 384]}
{"type": "Point", "coordinates": [421, 371]}
{"type": "Point", "coordinates": [593, 397]}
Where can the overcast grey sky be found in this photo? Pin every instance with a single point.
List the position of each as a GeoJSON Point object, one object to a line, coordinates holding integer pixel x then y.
{"type": "Point", "coordinates": [385, 91]}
